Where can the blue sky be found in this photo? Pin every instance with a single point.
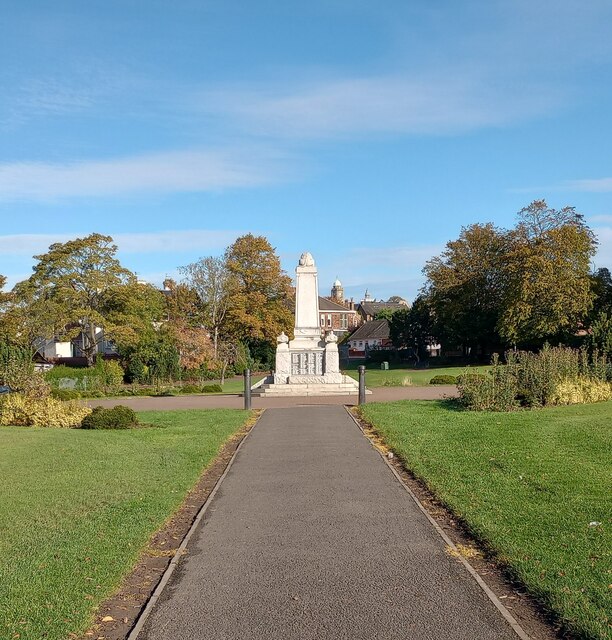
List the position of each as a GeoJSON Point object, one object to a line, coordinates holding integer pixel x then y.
{"type": "Point", "coordinates": [366, 133]}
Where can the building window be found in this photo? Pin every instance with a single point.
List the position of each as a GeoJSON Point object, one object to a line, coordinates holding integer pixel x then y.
{"type": "Point", "coordinates": [322, 320]}
{"type": "Point", "coordinates": [344, 321]}
{"type": "Point", "coordinates": [329, 322]}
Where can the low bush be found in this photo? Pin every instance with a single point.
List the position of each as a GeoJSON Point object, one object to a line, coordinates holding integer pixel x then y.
{"type": "Point", "coordinates": [212, 388]}
{"type": "Point", "coordinates": [18, 409]}
{"type": "Point", "coordinates": [555, 375]}
{"type": "Point", "coordinates": [191, 388]}
{"type": "Point", "coordinates": [164, 393]}
{"type": "Point", "coordinates": [119, 417]}
{"type": "Point", "coordinates": [581, 391]}
{"type": "Point", "coordinates": [443, 379]}
{"type": "Point", "coordinates": [66, 394]}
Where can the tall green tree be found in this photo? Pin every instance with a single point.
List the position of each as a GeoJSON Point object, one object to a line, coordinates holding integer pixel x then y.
{"type": "Point", "coordinates": [413, 327]}
{"type": "Point", "coordinates": [546, 273]}
{"type": "Point", "coordinates": [259, 304]}
{"type": "Point", "coordinates": [69, 287]}
{"type": "Point", "coordinates": [465, 287]}
{"type": "Point", "coordinates": [601, 283]}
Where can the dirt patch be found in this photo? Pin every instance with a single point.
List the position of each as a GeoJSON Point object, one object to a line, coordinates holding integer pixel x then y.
{"type": "Point", "coordinates": [528, 612]}
{"type": "Point", "coordinates": [117, 615]}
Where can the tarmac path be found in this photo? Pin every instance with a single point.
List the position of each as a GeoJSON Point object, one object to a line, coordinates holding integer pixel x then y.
{"type": "Point", "coordinates": [229, 401]}
{"type": "Point", "coordinates": [310, 535]}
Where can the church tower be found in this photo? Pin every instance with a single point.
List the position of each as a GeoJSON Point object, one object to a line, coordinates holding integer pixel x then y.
{"type": "Point", "coordinates": [337, 292]}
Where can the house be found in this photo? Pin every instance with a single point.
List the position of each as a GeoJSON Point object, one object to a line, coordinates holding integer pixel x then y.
{"type": "Point", "coordinates": [336, 317]}
{"type": "Point", "coordinates": [369, 308]}
{"type": "Point", "coordinates": [370, 335]}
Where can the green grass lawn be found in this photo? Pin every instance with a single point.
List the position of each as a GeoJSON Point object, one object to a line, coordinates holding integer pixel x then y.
{"type": "Point", "coordinates": [528, 484]}
{"type": "Point", "coordinates": [375, 377]}
{"type": "Point", "coordinates": [236, 385]}
{"type": "Point", "coordinates": [76, 508]}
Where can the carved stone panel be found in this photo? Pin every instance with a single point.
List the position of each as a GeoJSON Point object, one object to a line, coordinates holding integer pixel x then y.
{"type": "Point", "coordinates": [307, 363]}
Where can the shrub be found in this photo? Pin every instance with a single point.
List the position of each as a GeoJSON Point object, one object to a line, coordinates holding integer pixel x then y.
{"type": "Point", "coordinates": [190, 388]}
{"type": "Point", "coordinates": [16, 366]}
{"type": "Point", "coordinates": [443, 379]}
{"type": "Point", "coordinates": [65, 394]}
{"type": "Point", "coordinates": [494, 392]}
{"type": "Point", "coordinates": [19, 410]}
{"type": "Point", "coordinates": [119, 417]}
{"type": "Point", "coordinates": [581, 391]}
{"type": "Point", "coordinates": [108, 375]}
{"type": "Point", "coordinates": [212, 388]}
{"type": "Point", "coordinates": [555, 375]}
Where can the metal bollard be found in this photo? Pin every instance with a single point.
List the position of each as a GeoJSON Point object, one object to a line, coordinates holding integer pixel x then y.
{"type": "Point", "coordinates": [362, 388]}
{"type": "Point", "coordinates": [247, 388]}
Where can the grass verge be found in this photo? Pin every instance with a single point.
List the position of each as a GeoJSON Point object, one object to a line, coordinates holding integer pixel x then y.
{"type": "Point", "coordinates": [77, 507]}
{"type": "Point", "coordinates": [375, 377]}
{"type": "Point", "coordinates": [529, 485]}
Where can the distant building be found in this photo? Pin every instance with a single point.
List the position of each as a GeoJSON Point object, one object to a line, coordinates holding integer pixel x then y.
{"type": "Point", "coordinates": [336, 317]}
{"type": "Point", "coordinates": [370, 335]}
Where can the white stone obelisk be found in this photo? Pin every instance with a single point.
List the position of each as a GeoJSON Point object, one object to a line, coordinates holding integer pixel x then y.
{"type": "Point", "coordinates": [307, 324]}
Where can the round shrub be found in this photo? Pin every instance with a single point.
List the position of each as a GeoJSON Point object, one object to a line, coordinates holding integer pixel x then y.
{"type": "Point", "coordinates": [119, 417]}
{"type": "Point", "coordinates": [190, 388]}
{"type": "Point", "coordinates": [443, 379]}
{"type": "Point", "coordinates": [212, 388]}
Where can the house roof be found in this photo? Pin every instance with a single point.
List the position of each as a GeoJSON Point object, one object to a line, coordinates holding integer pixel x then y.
{"type": "Point", "coordinates": [325, 304]}
{"type": "Point", "coordinates": [372, 308]}
{"type": "Point", "coordinates": [375, 329]}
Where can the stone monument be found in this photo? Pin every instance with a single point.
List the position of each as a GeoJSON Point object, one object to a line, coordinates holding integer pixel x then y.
{"type": "Point", "coordinates": [309, 364]}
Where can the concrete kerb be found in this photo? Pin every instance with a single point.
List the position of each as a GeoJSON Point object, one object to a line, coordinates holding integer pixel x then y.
{"type": "Point", "coordinates": [146, 612]}
{"type": "Point", "coordinates": [510, 619]}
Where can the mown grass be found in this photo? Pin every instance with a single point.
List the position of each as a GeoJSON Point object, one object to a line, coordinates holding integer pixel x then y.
{"type": "Point", "coordinates": [375, 377]}
{"type": "Point", "coordinates": [529, 484]}
{"type": "Point", "coordinates": [77, 507]}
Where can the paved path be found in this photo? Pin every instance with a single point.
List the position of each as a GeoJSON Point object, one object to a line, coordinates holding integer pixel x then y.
{"type": "Point", "coordinates": [312, 536]}
{"type": "Point", "coordinates": [382, 394]}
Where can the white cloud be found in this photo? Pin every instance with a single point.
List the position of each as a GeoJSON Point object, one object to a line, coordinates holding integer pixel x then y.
{"type": "Point", "coordinates": [597, 185]}
{"type": "Point", "coordinates": [604, 250]}
{"type": "Point", "coordinates": [128, 243]}
{"type": "Point", "coordinates": [153, 173]}
{"type": "Point", "coordinates": [436, 103]}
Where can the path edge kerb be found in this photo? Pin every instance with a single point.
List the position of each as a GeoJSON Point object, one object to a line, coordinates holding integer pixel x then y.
{"type": "Point", "coordinates": [161, 585]}
{"type": "Point", "coordinates": [510, 619]}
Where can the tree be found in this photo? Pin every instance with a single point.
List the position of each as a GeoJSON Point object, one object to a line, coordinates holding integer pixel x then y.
{"type": "Point", "coordinates": [182, 303]}
{"type": "Point", "coordinates": [386, 313]}
{"type": "Point", "coordinates": [259, 303]}
{"type": "Point", "coordinates": [465, 287]}
{"type": "Point", "coordinates": [130, 311]}
{"type": "Point", "coordinates": [546, 273]}
{"type": "Point", "coordinates": [212, 281]}
{"type": "Point", "coordinates": [69, 286]}
{"type": "Point", "coordinates": [413, 328]}
{"type": "Point", "coordinates": [601, 282]}
{"type": "Point", "coordinates": [193, 343]}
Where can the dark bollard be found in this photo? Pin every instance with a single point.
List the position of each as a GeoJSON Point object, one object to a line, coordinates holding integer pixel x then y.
{"type": "Point", "coordinates": [362, 394]}
{"type": "Point", "coordinates": [247, 388]}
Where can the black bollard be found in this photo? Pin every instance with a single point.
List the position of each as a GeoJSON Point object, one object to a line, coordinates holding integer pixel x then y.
{"type": "Point", "coordinates": [247, 388]}
{"type": "Point", "coordinates": [362, 389]}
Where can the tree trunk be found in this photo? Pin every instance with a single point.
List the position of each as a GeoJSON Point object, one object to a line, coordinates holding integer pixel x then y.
{"type": "Point", "coordinates": [215, 341]}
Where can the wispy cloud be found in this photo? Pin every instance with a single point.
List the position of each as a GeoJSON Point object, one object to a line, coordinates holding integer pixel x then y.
{"type": "Point", "coordinates": [172, 241]}
{"type": "Point", "coordinates": [437, 103]}
{"type": "Point", "coordinates": [601, 218]}
{"type": "Point", "coordinates": [596, 185]}
{"type": "Point", "coordinates": [153, 173]}
{"type": "Point", "coordinates": [604, 249]}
